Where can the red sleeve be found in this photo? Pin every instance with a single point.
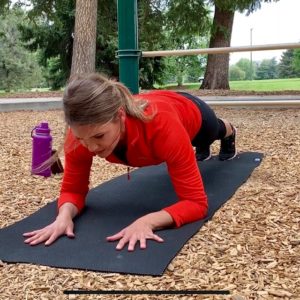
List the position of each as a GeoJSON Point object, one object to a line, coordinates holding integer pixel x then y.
{"type": "Point", "coordinates": [75, 184]}
{"type": "Point", "coordinates": [172, 143]}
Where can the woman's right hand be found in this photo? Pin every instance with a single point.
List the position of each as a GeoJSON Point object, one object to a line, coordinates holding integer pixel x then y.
{"type": "Point", "coordinates": [63, 225]}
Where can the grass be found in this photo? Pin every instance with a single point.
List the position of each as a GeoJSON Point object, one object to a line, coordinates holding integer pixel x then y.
{"type": "Point", "coordinates": [267, 85]}
{"type": "Point", "coordinates": [251, 85]}
{"type": "Point", "coordinates": [4, 94]}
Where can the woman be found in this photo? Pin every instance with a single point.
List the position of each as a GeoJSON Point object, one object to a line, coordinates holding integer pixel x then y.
{"type": "Point", "coordinates": [105, 120]}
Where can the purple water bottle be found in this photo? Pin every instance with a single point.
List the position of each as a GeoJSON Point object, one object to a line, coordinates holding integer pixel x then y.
{"type": "Point", "coordinates": [41, 149]}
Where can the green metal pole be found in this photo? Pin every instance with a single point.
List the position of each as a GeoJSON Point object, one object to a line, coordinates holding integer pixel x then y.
{"type": "Point", "coordinates": [128, 53]}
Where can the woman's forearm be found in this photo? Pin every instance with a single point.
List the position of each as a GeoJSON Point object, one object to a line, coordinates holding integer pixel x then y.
{"type": "Point", "coordinates": [158, 220]}
{"type": "Point", "coordinates": [68, 210]}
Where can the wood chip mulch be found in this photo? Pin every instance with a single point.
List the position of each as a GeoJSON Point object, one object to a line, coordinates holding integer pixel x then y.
{"type": "Point", "coordinates": [251, 247]}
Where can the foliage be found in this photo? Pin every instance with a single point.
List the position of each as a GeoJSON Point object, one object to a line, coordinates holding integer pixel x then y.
{"type": "Point", "coordinates": [286, 66]}
{"type": "Point", "coordinates": [151, 20]}
{"type": "Point", "coordinates": [162, 25]}
{"type": "Point", "coordinates": [188, 18]}
{"type": "Point", "coordinates": [52, 28]}
{"type": "Point", "coordinates": [18, 66]}
{"type": "Point", "coordinates": [236, 73]}
{"type": "Point", "coordinates": [296, 61]}
{"type": "Point", "coordinates": [267, 69]}
{"type": "Point", "coordinates": [4, 6]}
{"type": "Point", "coordinates": [51, 34]}
{"type": "Point", "coordinates": [182, 69]}
{"type": "Point", "coordinates": [248, 67]}
{"type": "Point", "coordinates": [187, 27]}
{"type": "Point", "coordinates": [248, 6]}
{"type": "Point", "coordinates": [285, 69]}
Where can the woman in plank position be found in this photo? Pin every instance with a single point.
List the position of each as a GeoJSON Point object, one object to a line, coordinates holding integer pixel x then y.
{"type": "Point", "coordinates": [106, 120]}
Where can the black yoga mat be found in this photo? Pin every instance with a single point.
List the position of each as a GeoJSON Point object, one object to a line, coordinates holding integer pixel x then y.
{"type": "Point", "coordinates": [115, 204]}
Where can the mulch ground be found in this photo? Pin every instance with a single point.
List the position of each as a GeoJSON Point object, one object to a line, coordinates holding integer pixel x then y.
{"type": "Point", "coordinates": [250, 247]}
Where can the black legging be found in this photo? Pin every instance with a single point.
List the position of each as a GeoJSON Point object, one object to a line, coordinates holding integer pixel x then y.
{"type": "Point", "coordinates": [212, 128]}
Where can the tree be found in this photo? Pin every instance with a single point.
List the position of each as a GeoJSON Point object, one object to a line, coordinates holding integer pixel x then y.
{"type": "Point", "coordinates": [84, 46]}
{"type": "Point", "coordinates": [18, 66]}
{"type": "Point", "coordinates": [185, 68]}
{"type": "Point", "coordinates": [296, 61]}
{"type": "Point", "coordinates": [151, 20]}
{"type": "Point", "coordinates": [286, 67]}
{"type": "Point", "coordinates": [187, 27]}
{"type": "Point", "coordinates": [216, 74]}
{"type": "Point", "coordinates": [267, 69]}
{"type": "Point", "coordinates": [236, 73]}
{"type": "Point", "coordinates": [52, 28]}
{"type": "Point", "coordinates": [4, 6]}
{"type": "Point", "coordinates": [245, 65]}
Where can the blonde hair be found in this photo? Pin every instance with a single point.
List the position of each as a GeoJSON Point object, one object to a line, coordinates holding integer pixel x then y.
{"type": "Point", "coordinates": [93, 98]}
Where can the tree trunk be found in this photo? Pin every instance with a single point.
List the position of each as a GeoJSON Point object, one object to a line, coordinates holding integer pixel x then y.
{"type": "Point", "coordinates": [216, 74]}
{"type": "Point", "coordinates": [84, 46]}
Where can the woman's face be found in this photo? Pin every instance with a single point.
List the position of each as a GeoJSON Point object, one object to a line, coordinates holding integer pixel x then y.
{"type": "Point", "coordinates": [101, 138]}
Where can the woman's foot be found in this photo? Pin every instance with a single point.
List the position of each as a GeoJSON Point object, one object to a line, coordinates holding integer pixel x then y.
{"type": "Point", "coordinates": [227, 149]}
{"type": "Point", "coordinates": [203, 153]}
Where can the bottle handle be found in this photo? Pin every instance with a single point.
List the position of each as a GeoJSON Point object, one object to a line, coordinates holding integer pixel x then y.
{"type": "Point", "coordinates": [33, 130]}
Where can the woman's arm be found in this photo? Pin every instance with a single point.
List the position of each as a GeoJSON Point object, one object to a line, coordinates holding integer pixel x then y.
{"type": "Point", "coordinates": [173, 145]}
{"type": "Point", "coordinates": [75, 184]}
{"type": "Point", "coordinates": [78, 161]}
{"type": "Point", "coordinates": [63, 225]}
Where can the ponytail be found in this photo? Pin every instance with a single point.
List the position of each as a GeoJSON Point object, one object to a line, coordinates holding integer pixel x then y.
{"type": "Point", "coordinates": [96, 99]}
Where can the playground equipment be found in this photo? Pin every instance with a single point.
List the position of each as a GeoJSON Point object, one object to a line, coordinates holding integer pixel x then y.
{"type": "Point", "coordinates": [129, 53]}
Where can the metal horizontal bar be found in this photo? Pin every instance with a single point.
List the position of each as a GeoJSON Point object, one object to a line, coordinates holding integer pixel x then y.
{"type": "Point", "coordinates": [220, 50]}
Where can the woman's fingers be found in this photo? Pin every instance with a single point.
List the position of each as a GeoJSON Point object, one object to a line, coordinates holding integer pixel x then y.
{"type": "Point", "coordinates": [132, 243]}
{"type": "Point", "coordinates": [53, 237]}
{"type": "Point", "coordinates": [143, 243]}
{"type": "Point", "coordinates": [157, 238]}
{"type": "Point", "coordinates": [37, 238]}
{"type": "Point", "coordinates": [143, 240]}
{"type": "Point", "coordinates": [32, 233]}
{"type": "Point", "coordinates": [123, 241]}
{"type": "Point", "coordinates": [116, 236]}
{"type": "Point", "coordinates": [50, 233]}
{"type": "Point", "coordinates": [70, 231]}
{"type": "Point", "coordinates": [132, 240]}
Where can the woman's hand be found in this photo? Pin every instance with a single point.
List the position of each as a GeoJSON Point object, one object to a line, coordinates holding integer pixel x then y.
{"type": "Point", "coordinates": [63, 225]}
{"type": "Point", "coordinates": [142, 230]}
{"type": "Point", "coordinates": [137, 231]}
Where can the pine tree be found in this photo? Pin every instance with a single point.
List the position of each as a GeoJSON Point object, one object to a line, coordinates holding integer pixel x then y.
{"type": "Point", "coordinates": [285, 67]}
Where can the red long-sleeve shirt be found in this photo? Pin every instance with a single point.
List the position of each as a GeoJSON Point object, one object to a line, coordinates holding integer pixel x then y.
{"type": "Point", "coordinates": [165, 138]}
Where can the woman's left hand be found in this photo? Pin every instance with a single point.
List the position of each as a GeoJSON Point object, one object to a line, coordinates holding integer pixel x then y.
{"type": "Point", "coordinates": [140, 230]}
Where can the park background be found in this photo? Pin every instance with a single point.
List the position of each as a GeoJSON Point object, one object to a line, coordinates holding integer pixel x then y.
{"type": "Point", "coordinates": [251, 246]}
{"type": "Point", "coordinates": [37, 44]}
